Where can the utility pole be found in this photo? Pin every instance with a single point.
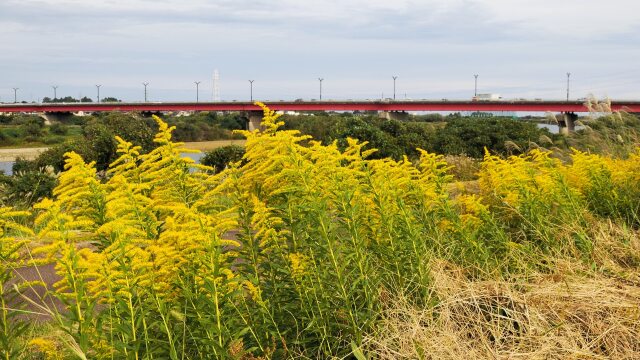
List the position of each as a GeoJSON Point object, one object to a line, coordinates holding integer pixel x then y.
{"type": "Point", "coordinates": [197, 90]}
{"type": "Point", "coordinates": [15, 95]}
{"type": "Point", "coordinates": [251, 89]}
{"type": "Point", "coordinates": [320, 79]}
{"type": "Point", "coordinates": [98, 87]}
{"type": "Point", "coordinates": [145, 90]}
{"type": "Point", "coordinates": [55, 91]}
{"type": "Point", "coordinates": [568, 76]}
{"type": "Point", "coordinates": [394, 87]}
{"type": "Point", "coordinates": [475, 88]}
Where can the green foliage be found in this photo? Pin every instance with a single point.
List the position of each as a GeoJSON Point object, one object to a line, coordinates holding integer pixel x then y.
{"type": "Point", "coordinates": [33, 127]}
{"type": "Point", "coordinates": [27, 185]}
{"type": "Point", "coordinates": [111, 99]}
{"type": "Point", "coordinates": [391, 138]}
{"type": "Point", "coordinates": [429, 118]}
{"type": "Point", "coordinates": [204, 126]}
{"type": "Point", "coordinates": [6, 138]}
{"type": "Point", "coordinates": [219, 158]}
{"type": "Point", "coordinates": [58, 129]}
{"type": "Point", "coordinates": [54, 156]}
{"type": "Point", "coordinates": [66, 99]}
{"type": "Point", "coordinates": [470, 136]}
{"type": "Point", "coordinates": [6, 119]}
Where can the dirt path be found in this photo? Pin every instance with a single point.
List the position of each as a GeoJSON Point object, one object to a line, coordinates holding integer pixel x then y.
{"type": "Point", "coordinates": [32, 153]}
{"type": "Point", "coordinates": [210, 145]}
{"type": "Point", "coordinates": [27, 153]}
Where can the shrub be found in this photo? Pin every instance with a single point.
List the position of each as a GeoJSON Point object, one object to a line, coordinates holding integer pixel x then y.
{"type": "Point", "coordinates": [58, 129]}
{"type": "Point", "coordinates": [25, 188]}
{"type": "Point", "coordinates": [220, 157]}
{"type": "Point", "coordinates": [470, 136]}
{"type": "Point", "coordinates": [5, 138]}
{"type": "Point", "coordinates": [33, 127]}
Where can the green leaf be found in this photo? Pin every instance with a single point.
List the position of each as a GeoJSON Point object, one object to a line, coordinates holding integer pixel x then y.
{"type": "Point", "coordinates": [357, 352]}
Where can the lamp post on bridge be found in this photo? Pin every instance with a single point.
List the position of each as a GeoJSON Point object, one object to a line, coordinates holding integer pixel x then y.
{"type": "Point", "coordinates": [320, 80]}
{"type": "Point", "coordinates": [197, 90]}
{"type": "Point", "coordinates": [98, 87]}
{"type": "Point", "coordinates": [475, 87]}
{"type": "Point", "coordinates": [55, 91]}
{"type": "Point", "coordinates": [251, 89]}
{"type": "Point", "coordinates": [394, 86]}
{"type": "Point", "coordinates": [145, 90]}
{"type": "Point", "coordinates": [568, 76]}
{"type": "Point", "coordinates": [15, 95]}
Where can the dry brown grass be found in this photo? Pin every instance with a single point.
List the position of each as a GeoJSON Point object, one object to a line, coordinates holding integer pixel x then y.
{"type": "Point", "coordinates": [580, 311]}
{"type": "Point", "coordinates": [464, 168]}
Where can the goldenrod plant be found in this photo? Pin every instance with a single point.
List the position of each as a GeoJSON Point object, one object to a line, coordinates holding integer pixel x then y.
{"type": "Point", "coordinates": [12, 240]}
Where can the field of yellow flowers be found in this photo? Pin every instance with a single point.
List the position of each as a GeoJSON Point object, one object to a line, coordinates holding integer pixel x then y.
{"type": "Point", "coordinates": [304, 250]}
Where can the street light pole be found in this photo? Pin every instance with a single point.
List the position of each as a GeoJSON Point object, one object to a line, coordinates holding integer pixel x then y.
{"type": "Point", "coordinates": [55, 91]}
{"type": "Point", "coordinates": [568, 76]}
{"type": "Point", "coordinates": [197, 90]}
{"type": "Point", "coordinates": [251, 89]}
{"type": "Point", "coordinates": [320, 79]}
{"type": "Point", "coordinates": [98, 87]}
{"type": "Point", "coordinates": [394, 87]}
{"type": "Point", "coordinates": [145, 90]}
{"type": "Point", "coordinates": [475, 88]}
{"type": "Point", "coordinates": [15, 95]}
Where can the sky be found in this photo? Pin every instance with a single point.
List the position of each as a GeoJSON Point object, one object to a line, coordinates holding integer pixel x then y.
{"type": "Point", "coordinates": [518, 48]}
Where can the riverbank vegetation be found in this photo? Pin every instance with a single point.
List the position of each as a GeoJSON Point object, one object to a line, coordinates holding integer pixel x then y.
{"type": "Point", "coordinates": [314, 250]}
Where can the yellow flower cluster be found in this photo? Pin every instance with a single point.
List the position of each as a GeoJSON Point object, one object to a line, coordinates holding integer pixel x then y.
{"type": "Point", "coordinates": [518, 180]}
{"type": "Point", "coordinates": [46, 347]}
{"type": "Point", "coordinates": [298, 264]}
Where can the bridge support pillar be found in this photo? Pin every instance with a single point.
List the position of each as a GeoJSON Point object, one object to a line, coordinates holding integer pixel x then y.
{"type": "Point", "coordinates": [55, 117]}
{"type": "Point", "coordinates": [254, 119]}
{"type": "Point", "coordinates": [567, 122]}
{"type": "Point", "coordinates": [394, 115]}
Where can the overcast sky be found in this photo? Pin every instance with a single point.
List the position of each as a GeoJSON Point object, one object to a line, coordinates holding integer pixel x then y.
{"type": "Point", "coordinates": [519, 48]}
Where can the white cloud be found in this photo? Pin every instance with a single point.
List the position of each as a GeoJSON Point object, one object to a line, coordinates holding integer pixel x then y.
{"type": "Point", "coordinates": [575, 18]}
{"type": "Point", "coordinates": [435, 45]}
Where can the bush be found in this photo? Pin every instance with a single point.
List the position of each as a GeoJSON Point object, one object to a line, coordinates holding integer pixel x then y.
{"type": "Point", "coordinates": [220, 157]}
{"type": "Point", "coordinates": [58, 129]}
{"type": "Point", "coordinates": [470, 136]}
{"type": "Point", "coordinates": [25, 188]}
{"type": "Point", "coordinates": [23, 165]}
{"type": "Point", "coordinates": [33, 127]}
{"type": "Point", "coordinates": [54, 156]}
{"type": "Point", "coordinates": [5, 138]}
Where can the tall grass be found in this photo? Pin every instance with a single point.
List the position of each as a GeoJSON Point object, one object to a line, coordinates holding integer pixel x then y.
{"type": "Point", "coordinates": [303, 251]}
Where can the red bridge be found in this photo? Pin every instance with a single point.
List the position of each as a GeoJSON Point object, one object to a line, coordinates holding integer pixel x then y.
{"type": "Point", "coordinates": [357, 105]}
{"type": "Point", "coordinates": [390, 109]}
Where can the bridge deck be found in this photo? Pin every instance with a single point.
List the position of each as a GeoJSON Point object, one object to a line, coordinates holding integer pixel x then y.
{"type": "Point", "coordinates": [421, 105]}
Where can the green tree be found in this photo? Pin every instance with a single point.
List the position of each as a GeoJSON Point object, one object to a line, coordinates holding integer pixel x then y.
{"type": "Point", "coordinates": [220, 157]}
{"type": "Point", "coordinates": [469, 136]}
